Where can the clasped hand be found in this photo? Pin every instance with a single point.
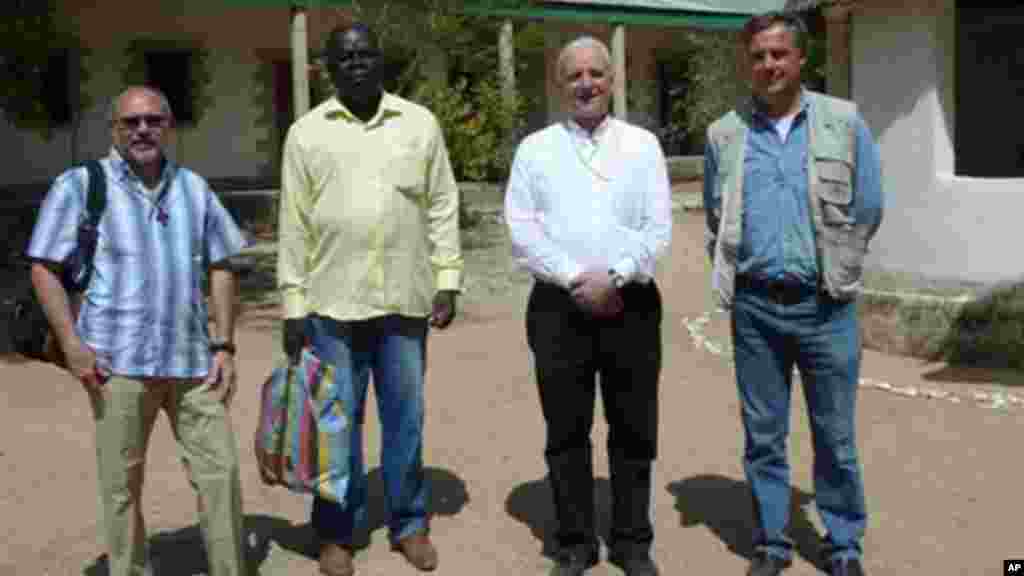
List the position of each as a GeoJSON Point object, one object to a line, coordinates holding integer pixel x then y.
{"type": "Point", "coordinates": [595, 292]}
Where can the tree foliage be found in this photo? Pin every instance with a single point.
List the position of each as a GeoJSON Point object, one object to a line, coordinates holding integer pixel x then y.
{"type": "Point", "coordinates": [448, 61]}
{"type": "Point", "coordinates": [715, 80]}
{"type": "Point", "coordinates": [32, 32]}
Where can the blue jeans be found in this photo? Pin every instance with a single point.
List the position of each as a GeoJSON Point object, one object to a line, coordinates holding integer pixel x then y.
{"type": "Point", "coordinates": [393, 349]}
{"type": "Point", "coordinates": [821, 337]}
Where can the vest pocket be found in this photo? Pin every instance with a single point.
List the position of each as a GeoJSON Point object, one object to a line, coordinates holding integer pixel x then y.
{"type": "Point", "coordinates": [845, 248]}
{"type": "Point", "coordinates": [843, 243]}
{"type": "Point", "coordinates": [835, 189]}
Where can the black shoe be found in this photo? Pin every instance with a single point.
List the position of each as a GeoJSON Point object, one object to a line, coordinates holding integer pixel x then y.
{"type": "Point", "coordinates": [845, 567]}
{"type": "Point", "coordinates": [635, 564]}
{"type": "Point", "coordinates": [767, 565]}
{"type": "Point", "coordinates": [574, 562]}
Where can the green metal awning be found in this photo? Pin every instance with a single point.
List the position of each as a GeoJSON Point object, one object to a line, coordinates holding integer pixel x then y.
{"type": "Point", "coordinates": [708, 14]}
{"type": "Point", "coordinates": [286, 3]}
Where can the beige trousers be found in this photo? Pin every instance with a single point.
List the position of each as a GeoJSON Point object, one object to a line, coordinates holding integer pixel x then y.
{"type": "Point", "coordinates": [124, 412]}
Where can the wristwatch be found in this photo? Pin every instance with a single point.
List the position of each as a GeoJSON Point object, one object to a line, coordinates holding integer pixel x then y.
{"type": "Point", "coordinates": [618, 280]}
{"type": "Point", "coordinates": [222, 346]}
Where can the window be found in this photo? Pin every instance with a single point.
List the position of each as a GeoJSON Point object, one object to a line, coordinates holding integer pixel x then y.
{"type": "Point", "coordinates": [171, 72]}
{"type": "Point", "coordinates": [673, 84]}
{"type": "Point", "coordinates": [57, 96]}
{"type": "Point", "coordinates": [989, 131]}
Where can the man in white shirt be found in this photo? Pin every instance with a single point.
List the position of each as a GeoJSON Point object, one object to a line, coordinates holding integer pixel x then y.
{"type": "Point", "coordinates": [589, 213]}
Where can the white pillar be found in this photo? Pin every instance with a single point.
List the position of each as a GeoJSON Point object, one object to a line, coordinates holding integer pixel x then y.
{"type": "Point", "coordinates": [300, 62]}
{"type": "Point", "coordinates": [553, 99]}
{"type": "Point", "coordinates": [507, 61]}
{"type": "Point", "coordinates": [619, 68]}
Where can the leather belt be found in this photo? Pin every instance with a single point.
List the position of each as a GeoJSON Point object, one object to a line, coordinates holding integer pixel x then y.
{"type": "Point", "coordinates": [783, 292]}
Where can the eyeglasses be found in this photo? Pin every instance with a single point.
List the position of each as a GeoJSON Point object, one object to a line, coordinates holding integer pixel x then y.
{"type": "Point", "coordinates": [134, 122]}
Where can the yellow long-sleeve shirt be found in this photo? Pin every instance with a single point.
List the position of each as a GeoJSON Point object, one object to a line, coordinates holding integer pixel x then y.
{"type": "Point", "coordinates": [369, 215]}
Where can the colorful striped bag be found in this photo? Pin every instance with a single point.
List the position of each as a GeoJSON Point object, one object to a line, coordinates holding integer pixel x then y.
{"type": "Point", "coordinates": [303, 439]}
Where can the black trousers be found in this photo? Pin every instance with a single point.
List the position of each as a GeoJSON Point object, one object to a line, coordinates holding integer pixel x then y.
{"type": "Point", "coordinates": [571, 349]}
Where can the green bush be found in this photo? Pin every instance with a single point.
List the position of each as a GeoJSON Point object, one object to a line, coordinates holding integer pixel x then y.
{"type": "Point", "coordinates": [989, 330]}
{"type": "Point", "coordinates": [477, 124]}
{"type": "Point", "coordinates": [712, 61]}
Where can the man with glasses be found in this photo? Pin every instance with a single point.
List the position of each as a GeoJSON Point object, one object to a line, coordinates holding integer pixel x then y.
{"type": "Point", "coordinates": [368, 259]}
{"type": "Point", "coordinates": [140, 342]}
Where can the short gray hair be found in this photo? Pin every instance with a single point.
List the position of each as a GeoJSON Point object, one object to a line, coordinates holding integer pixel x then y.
{"type": "Point", "coordinates": [579, 43]}
{"type": "Point", "coordinates": [791, 21]}
{"type": "Point", "coordinates": [165, 105]}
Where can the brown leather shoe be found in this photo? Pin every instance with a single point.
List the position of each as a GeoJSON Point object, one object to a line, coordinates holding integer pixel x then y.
{"type": "Point", "coordinates": [336, 560]}
{"type": "Point", "coordinates": [418, 550]}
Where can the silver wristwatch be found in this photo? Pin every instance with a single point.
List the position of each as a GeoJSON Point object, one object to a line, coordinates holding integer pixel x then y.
{"type": "Point", "coordinates": [618, 280]}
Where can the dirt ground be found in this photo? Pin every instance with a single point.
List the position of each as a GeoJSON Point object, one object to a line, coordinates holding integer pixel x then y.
{"type": "Point", "coordinates": [940, 476]}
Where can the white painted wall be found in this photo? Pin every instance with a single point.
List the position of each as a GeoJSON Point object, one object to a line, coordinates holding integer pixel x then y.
{"type": "Point", "coordinates": [936, 224]}
{"type": "Point", "coordinates": [235, 137]}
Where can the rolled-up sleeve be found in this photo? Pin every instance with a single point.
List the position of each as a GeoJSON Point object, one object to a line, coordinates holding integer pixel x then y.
{"type": "Point", "coordinates": [443, 216]}
{"type": "Point", "coordinates": [869, 197]}
{"type": "Point", "coordinates": [532, 249]}
{"type": "Point", "coordinates": [294, 233]}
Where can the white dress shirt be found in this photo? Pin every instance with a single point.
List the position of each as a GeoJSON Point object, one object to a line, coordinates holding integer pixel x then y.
{"type": "Point", "coordinates": [578, 201]}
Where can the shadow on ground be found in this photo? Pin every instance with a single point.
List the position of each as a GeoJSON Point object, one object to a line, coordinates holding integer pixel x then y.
{"type": "Point", "coordinates": [724, 505]}
{"type": "Point", "coordinates": [182, 551]}
{"type": "Point", "coordinates": [531, 503]}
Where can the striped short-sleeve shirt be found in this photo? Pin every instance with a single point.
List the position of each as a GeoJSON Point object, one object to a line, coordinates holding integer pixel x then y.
{"type": "Point", "coordinates": [144, 310]}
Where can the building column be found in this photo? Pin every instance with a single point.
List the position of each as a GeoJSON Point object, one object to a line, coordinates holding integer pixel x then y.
{"type": "Point", "coordinates": [837, 68]}
{"type": "Point", "coordinates": [507, 62]}
{"type": "Point", "coordinates": [300, 61]}
{"type": "Point", "coordinates": [554, 107]}
{"type": "Point", "coordinates": [507, 66]}
{"type": "Point", "coordinates": [619, 69]}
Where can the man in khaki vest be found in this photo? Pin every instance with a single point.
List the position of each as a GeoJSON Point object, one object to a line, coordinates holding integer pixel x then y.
{"type": "Point", "coordinates": [793, 196]}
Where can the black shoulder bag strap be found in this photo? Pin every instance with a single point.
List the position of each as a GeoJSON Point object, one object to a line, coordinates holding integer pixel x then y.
{"type": "Point", "coordinates": [88, 234]}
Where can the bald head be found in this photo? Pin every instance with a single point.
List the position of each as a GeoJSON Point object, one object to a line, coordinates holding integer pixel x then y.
{"type": "Point", "coordinates": [354, 64]}
{"type": "Point", "coordinates": [134, 91]}
{"type": "Point", "coordinates": [336, 40]}
{"type": "Point", "coordinates": [140, 123]}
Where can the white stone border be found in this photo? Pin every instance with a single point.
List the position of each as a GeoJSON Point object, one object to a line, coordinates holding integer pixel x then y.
{"type": "Point", "coordinates": [993, 400]}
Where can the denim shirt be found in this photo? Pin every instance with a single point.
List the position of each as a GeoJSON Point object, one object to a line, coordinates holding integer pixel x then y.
{"type": "Point", "coordinates": [778, 235]}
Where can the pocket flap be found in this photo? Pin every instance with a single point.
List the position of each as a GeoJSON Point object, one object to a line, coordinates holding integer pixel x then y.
{"type": "Point", "coordinates": [836, 179]}
{"type": "Point", "coordinates": [834, 170]}
{"type": "Point", "coordinates": [408, 172]}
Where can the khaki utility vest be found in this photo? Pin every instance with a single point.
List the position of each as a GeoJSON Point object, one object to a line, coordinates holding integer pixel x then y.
{"type": "Point", "coordinates": [840, 240]}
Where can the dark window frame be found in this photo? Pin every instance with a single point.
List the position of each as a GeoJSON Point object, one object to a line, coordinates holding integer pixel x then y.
{"type": "Point", "coordinates": [173, 72]}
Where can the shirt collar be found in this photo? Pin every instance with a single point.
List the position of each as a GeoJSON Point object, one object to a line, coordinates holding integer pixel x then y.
{"type": "Point", "coordinates": [122, 170]}
{"type": "Point", "coordinates": [802, 110]}
{"type": "Point", "coordinates": [389, 108]}
{"type": "Point", "coordinates": [579, 132]}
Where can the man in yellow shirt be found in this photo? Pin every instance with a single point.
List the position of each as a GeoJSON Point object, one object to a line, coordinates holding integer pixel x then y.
{"type": "Point", "coordinates": [368, 259]}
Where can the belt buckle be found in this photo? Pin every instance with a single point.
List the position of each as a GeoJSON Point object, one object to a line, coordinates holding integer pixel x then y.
{"type": "Point", "coordinates": [777, 291]}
